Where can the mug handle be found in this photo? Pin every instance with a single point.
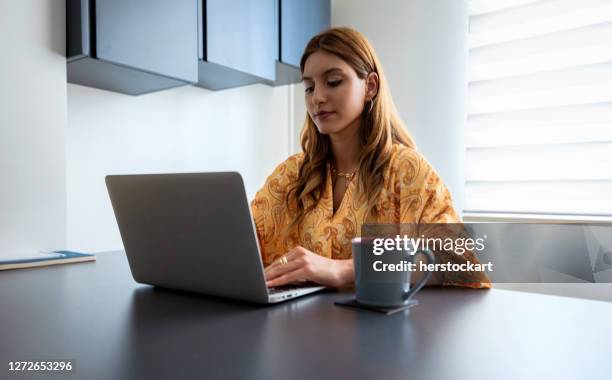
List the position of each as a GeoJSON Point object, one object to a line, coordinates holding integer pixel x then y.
{"type": "Point", "coordinates": [430, 260]}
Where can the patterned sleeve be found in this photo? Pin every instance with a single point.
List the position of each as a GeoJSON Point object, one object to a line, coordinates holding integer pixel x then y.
{"type": "Point", "coordinates": [429, 202]}
{"type": "Point", "coordinates": [270, 211]}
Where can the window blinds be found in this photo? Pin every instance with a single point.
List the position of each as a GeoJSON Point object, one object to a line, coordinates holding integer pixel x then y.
{"type": "Point", "coordinates": [539, 130]}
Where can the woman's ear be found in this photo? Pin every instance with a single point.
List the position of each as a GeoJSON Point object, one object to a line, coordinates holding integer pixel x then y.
{"type": "Point", "coordinates": [371, 85]}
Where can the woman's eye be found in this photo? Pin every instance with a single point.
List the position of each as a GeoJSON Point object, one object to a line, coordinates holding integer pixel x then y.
{"type": "Point", "coordinates": [308, 89]}
{"type": "Point", "coordinates": [334, 83]}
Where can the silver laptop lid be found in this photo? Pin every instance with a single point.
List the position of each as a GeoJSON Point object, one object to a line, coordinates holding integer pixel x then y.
{"type": "Point", "coordinates": [189, 231]}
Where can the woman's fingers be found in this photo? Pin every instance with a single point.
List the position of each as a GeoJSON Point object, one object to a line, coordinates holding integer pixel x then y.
{"type": "Point", "coordinates": [303, 264]}
{"type": "Point", "coordinates": [274, 271]}
{"type": "Point", "coordinates": [287, 278]}
{"type": "Point", "coordinates": [277, 263]}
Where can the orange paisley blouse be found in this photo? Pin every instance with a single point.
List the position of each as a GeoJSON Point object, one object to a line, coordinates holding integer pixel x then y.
{"type": "Point", "coordinates": [412, 193]}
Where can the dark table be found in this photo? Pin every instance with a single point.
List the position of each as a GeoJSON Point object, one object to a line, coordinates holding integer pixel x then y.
{"type": "Point", "coordinates": [113, 328]}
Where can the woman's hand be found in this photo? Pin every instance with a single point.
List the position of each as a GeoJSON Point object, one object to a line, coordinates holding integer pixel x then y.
{"type": "Point", "coordinates": [303, 264]}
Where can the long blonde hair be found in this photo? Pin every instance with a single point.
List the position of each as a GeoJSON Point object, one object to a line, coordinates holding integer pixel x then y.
{"type": "Point", "coordinates": [381, 128]}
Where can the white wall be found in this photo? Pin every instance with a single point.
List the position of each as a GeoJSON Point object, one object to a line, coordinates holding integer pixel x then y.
{"type": "Point", "coordinates": [422, 45]}
{"type": "Point", "coordinates": [187, 129]}
{"type": "Point", "coordinates": [32, 126]}
{"type": "Point", "coordinates": [58, 141]}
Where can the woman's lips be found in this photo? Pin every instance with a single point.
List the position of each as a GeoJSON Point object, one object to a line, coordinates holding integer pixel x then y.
{"type": "Point", "coordinates": [324, 115]}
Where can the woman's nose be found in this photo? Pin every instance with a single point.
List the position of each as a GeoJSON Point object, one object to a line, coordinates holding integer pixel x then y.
{"type": "Point", "coordinates": [318, 96]}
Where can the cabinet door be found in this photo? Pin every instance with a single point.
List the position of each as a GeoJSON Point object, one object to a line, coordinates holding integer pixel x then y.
{"type": "Point", "coordinates": [77, 29]}
{"type": "Point", "coordinates": [242, 35]}
{"type": "Point", "coordinates": [156, 36]}
{"type": "Point", "coordinates": [300, 21]}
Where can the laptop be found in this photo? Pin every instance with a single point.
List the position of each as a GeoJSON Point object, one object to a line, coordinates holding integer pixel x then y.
{"type": "Point", "coordinates": [193, 232]}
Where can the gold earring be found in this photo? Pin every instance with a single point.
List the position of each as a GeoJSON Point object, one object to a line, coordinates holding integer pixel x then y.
{"type": "Point", "coordinates": [371, 101]}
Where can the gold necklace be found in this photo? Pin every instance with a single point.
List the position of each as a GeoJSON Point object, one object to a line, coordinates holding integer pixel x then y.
{"type": "Point", "coordinates": [348, 176]}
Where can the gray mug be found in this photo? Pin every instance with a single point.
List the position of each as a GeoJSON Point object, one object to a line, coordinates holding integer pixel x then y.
{"type": "Point", "coordinates": [388, 288]}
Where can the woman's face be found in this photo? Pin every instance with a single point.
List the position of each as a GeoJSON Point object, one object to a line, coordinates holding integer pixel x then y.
{"type": "Point", "coordinates": [334, 94]}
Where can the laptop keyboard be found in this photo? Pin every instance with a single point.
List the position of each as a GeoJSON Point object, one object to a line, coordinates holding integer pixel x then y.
{"type": "Point", "coordinates": [285, 288]}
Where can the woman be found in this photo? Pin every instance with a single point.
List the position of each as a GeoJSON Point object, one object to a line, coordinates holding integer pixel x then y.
{"type": "Point", "coordinates": [358, 165]}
